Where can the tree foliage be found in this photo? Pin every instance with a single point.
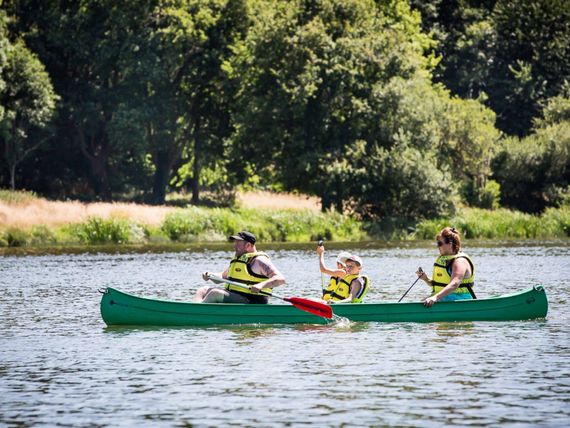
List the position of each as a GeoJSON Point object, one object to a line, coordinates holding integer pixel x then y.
{"type": "Point", "coordinates": [27, 101]}
{"type": "Point", "coordinates": [534, 172]}
{"type": "Point", "coordinates": [179, 91]}
{"type": "Point", "coordinates": [515, 51]}
{"type": "Point", "coordinates": [377, 108]}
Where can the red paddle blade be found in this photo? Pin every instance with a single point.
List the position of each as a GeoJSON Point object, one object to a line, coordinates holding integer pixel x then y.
{"type": "Point", "coordinates": [311, 306]}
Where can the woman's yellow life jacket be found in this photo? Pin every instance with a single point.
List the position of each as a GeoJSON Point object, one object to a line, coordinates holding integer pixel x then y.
{"type": "Point", "coordinates": [442, 274]}
{"type": "Point", "coordinates": [240, 271]}
{"type": "Point", "coordinates": [339, 288]}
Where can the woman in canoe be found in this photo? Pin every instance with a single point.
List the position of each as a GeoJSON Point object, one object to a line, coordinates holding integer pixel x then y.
{"type": "Point", "coordinates": [347, 284]}
{"type": "Point", "coordinates": [453, 271]}
{"type": "Point", "coordinates": [249, 267]}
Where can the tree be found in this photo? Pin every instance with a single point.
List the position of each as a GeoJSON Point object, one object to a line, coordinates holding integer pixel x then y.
{"type": "Point", "coordinates": [400, 184]}
{"type": "Point", "coordinates": [83, 45]}
{"type": "Point", "coordinates": [517, 52]}
{"type": "Point", "coordinates": [181, 93]}
{"type": "Point", "coordinates": [532, 59]}
{"type": "Point", "coordinates": [534, 171]}
{"type": "Point", "coordinates": [466, 41]}
{"type": "Point", "coordinates": [469, 141]}
{"type": "Point", "coordinates": [28, 104]}
{"type": "Point", "coordinates": [308, 73]}
{"type": "Point", "coordinates": [4, 46]}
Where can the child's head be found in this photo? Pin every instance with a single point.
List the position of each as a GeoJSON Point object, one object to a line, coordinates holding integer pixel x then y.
{"type": "Point", "coordinates": [353, 264]}
{"type": "Point", "coordinates": [341, 259]}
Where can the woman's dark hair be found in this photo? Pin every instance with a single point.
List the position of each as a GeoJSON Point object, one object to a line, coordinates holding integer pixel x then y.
{"type": "Point", "coordinates": [450, 234]}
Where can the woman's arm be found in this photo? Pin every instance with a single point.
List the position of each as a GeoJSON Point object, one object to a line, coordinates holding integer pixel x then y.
{"type": "Point", "coordinates": [458, 270]}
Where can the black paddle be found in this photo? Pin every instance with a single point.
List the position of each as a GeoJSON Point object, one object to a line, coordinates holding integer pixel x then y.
{"type": "Point", "coordinates": [320, 244]}
{"type": "Point", "coordinates": [419, 269]}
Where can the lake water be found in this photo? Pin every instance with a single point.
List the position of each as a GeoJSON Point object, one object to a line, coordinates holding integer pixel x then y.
{"type": "Point", "coordinates": [61, 366]}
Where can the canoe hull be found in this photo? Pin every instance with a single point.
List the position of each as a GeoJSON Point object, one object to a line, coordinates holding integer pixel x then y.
{"type": "Point", "coordinates": [118, 308]}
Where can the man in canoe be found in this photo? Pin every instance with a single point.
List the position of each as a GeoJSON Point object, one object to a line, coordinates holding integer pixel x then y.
{"type": "Point", "coordinates": [453, 271]}
{"type": "Point", "coordinates": [249, 267]}
{"type": "Point", "coordinates": [347, 284]}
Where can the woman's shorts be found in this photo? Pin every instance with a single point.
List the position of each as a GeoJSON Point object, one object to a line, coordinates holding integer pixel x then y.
{"type": "Point", "coordinates": [456, 296]}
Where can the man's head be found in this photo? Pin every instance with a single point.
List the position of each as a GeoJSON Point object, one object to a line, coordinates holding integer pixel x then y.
{"type": "Point", "coordinates": [244, 242]}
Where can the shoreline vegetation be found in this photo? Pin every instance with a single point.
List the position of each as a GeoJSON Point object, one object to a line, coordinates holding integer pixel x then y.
{"type": "Point", "coordinates": [30, 221]}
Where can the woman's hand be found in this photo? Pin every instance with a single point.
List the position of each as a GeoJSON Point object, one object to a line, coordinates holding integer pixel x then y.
{"type": "Point", "coordinates": [430, 301]}
{"type": "Point", "coordinates": [421, 274]}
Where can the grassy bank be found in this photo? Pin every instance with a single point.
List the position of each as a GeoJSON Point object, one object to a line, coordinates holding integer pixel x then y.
{"type": "Point", "coordinates": [191, 225]}
{"type": "Point", "coordinates": [26, 220]}
{"type": "Point", "coordinates": [501, 224]}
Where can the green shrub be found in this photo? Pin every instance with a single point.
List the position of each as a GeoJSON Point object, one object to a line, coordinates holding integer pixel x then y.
{"type": "Point", "coordinates": [559, 218]}
{"type": "Point", "coordinates": [194, 224]}
{"type": "Point", "coordinates": [533, 171]}
{"type": "Point", "coordinates": [16, 237]}
{"type": "Point", "coordinates": [476, 223]}
{"type": "Point", "coordinates": [42, 235]}
{"type": "Point", "coordinates": [191, 223]}
{"type": "Point", "coordinates": [488, 197]}
{"type": "Point", "coordinates": [17, 196]}
{"type": "Point", "coordinates": [100, 231]}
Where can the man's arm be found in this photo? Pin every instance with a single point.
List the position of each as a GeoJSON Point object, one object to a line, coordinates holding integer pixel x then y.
{"type": "Point", "coordinates": [206, 275]}
{"type": "Point", "coordinates": [263, 266]}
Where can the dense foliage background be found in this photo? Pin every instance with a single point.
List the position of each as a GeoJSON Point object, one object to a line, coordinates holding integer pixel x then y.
{"type": "Point", "coordinates": [391, 110]}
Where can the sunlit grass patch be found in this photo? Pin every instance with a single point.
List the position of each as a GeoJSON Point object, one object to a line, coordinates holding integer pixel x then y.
{"type": "Point", "coordinates": [17, 197]}
{"type": "Point", "coordinates": [475, 223]}
{"type": "Point", "coordinates": [194, 224]}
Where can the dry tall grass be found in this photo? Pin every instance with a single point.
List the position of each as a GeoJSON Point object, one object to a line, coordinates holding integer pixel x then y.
{"type": "Point", "coordinates": [54, 213]}
{"type": "Point", "coordinates": [278, 201]}
{"type": "Point", "coordinates": [38, 211]}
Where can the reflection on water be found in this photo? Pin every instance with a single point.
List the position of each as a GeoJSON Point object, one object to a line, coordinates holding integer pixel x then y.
{"type": "Point", "coordinates": [60, 365]}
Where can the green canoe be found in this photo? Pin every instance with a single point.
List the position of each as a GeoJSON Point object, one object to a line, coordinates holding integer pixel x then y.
{"type": "Point", "coordinates": [118, 308]}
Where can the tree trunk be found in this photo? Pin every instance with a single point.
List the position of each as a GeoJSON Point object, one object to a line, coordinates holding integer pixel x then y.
{"type": "Point", "coordinates": [196, 168]}
{"type": "Point", "coordinates": [13, 177]}
{"type": "Point", "coordinates": [99, 177]}
{"type": "Point", "coordinates": [97, 154]}
{"type": "Point", "coordinates": [161, 175]}
{"type": "Point", "coordinates": [339, 206]}
{"type": "Point", "coordinates": [339, 196]}
{"type": "Point", "coordinates": [325, 202]}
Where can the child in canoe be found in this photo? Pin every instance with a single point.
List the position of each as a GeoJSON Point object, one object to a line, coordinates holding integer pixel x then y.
{"type": "Point", "coordinates": [347, 284]}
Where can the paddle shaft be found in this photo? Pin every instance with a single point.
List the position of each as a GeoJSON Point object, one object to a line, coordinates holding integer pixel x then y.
{"type": "Point", "coordinates": [245, 287]}
{"type": "Point", "coordinates": [315, 308]}
{"type": "Point", "coordinates": [420, 269]}
{"type": "Point", "coordinates": [320, 244]}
